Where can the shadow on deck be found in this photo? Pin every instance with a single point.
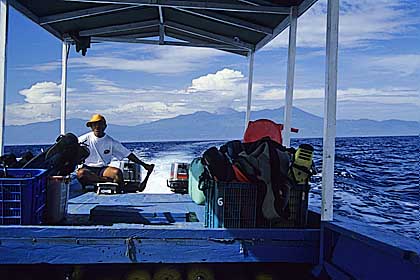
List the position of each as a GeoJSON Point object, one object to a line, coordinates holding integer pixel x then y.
{"type": "Point", "coordinates": [89, 208]}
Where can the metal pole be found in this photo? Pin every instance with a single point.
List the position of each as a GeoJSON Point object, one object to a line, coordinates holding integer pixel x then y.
{"type": "Point", "coordinates": [290, 76]}
{"type": "Point", "coordinates": [250, 76]}
{"type": "Point", "coordinates": [161, 26]}
{"type": "Point", "coordinates": [4, 14]}
{"type": "Point", "coordinates": [330, 109]}
{"type": "Point", "coordinates": [64, 58]}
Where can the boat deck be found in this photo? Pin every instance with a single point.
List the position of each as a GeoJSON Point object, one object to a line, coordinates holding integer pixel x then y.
{"type": "Point", "coordinates": [149, 228]}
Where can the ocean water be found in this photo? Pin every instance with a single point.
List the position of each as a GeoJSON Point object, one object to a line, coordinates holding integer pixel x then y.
{"type": "Point", "coordinates": [376, 178]}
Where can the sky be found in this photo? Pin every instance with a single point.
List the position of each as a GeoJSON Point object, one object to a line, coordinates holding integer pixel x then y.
{"type": "Point", "coordinates": [378, 71]}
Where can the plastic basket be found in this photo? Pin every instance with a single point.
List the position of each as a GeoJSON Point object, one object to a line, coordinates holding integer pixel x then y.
{"type": "Point", "coordinates": [23, 197]}
{"type": "Point", "coordinates": [298, 207]}
{"type": "Point", "coordinates": [230, 205]}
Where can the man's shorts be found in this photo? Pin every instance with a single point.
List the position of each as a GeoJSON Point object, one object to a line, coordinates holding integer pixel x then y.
{"type": "Point", "coordinates": [97, 170]}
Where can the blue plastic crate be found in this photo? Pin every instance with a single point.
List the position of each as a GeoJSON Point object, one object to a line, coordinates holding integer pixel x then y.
{"type": "Point", "coordinates": [23, 197]}
{"type": "Point", "coordinates": [230, 205]}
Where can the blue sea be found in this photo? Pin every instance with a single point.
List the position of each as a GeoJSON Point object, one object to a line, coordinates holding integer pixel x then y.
{"type": "Point", "coordinates": [376, 178]}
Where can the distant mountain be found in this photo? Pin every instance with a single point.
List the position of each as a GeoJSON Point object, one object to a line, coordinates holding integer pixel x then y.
{"type": "Point", "coordinates": [224, 124]}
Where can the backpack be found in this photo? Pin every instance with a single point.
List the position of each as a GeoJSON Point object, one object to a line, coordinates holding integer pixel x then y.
{"type": "Point", "coordinates": [232, 149]}
{"type": "Point", "coordinates": [218, 165]}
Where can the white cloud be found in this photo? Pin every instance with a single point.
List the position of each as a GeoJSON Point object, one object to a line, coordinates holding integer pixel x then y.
{"type": "Point", "coordinates": [42, 103]}
{"type": "Point", "coordinates": [224, 82]}
{"type": "Point", "coordinates": [164, 60]}
{"type": "Point", "coordinates": [158, 60]}
{"type": "Point", "coordinates": [106, 87]}
{"type": "Point", "coordinates": [49, 66]}
{"type": "Point", "coordinates": [403, 64]}
{"type": "Point", "coordinates": [152, 108]}
{"type": "Point", "coordinates": [384, 95]}
{"type": "Point", "coordinates": [278, 94]}
{"type": "Point", "coordinates": [42, 92]}
{"type": "Point", "coordinates": [224, 88]}
{"type": "Point", "coordinates": [145, 111]}
{"type": "Point", "coordinates": [361, 21]}
{"type": "Point", "coordinates": [20, 114]}
{"type": "Point", "coordinates": [362, 109]}
{"type": "Point", "coordinates": [126, 106]}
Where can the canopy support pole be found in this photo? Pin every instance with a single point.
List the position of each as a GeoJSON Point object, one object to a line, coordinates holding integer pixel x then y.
{"type": "Point", "coordinates": [291, 61]}
{"type": "Point", "coordinates": [4, 14]}
{"type": "Point", "coordinates": [64, 59]}
{"type": "Point", "coordinates": [250, 76]}
{"type": "Point", "coordinates": [330, 109]}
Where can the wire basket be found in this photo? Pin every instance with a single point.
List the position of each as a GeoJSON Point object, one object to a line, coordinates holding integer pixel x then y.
{"type": "Point", "coordinates": [230, 205]}
{"type": "Point", "coordinates": [298, 208]}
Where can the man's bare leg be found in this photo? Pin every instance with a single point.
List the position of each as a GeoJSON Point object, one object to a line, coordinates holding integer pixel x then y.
{"type": "Point", "coordinates": [116, 176]}
{"type": "Point", "coordinates": [86, 177]}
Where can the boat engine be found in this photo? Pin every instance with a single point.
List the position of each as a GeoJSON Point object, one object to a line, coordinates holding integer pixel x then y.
{"type": "Point", "coordinates": [178, 180]}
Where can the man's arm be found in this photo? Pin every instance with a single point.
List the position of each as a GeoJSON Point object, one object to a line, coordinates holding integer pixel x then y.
{"type": "Point", "coordinates": [82, 138]}
{"type": "Point", "coordinates": [134, 158]}
{"type": "Point", "coordinates": [120, 152]}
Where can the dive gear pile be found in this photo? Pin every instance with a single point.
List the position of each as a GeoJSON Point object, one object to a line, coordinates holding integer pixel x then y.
{"type": "Point", "coordinates": [275, 170]}
{"type": "Point", "coordinates": [281, 174]}
{"type": "Point", "coordinates": [59, 159]}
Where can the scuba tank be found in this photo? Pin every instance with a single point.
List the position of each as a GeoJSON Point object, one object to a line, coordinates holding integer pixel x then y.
{"type": "Point", "coordinates": [301, 169]}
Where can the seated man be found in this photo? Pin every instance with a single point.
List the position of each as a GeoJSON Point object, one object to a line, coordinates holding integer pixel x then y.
{"type": "Point", "coordinates": [102, 149]}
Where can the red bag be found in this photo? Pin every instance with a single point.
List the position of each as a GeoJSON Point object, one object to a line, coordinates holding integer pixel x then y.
{"type": "Point", "coordinates": [259, 129]}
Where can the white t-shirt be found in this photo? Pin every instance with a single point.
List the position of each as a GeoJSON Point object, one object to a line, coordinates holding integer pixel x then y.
{"type": "Point", "coordinates": [103, 149]}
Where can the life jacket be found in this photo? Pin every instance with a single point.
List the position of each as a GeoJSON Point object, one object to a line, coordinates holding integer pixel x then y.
{"type": "Point", "coordinates": [62, 157]}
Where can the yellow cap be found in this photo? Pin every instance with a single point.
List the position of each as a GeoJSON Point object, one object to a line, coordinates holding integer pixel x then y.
{"type": "Point", "coordinates": [95, 118]}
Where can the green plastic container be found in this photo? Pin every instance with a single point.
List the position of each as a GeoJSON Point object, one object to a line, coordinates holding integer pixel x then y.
{"type": "Point", "coordinates": [194, 173]}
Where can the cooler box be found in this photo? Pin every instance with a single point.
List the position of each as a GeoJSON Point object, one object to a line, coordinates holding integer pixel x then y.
{"type": "Point", "coordinates": [57, 198]}
{"type": "Point", "coordinates": [23, 197]}
{"type": "Point", "coordinates": [194, 173]}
